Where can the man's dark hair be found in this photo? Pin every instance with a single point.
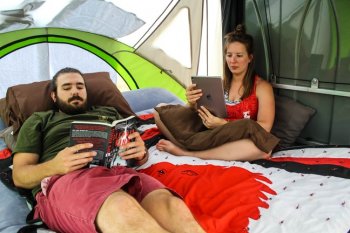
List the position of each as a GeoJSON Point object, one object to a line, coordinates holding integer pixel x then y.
{"type": "Point", "coordinates": [53, 84]}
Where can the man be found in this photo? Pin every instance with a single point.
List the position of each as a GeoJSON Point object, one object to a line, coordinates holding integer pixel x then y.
{"type": "Point", "coordinates": [73, 198]}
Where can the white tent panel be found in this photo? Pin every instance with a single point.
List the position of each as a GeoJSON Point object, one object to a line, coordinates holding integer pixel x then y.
{"type": "Point", "coordinates": [63, 55]}
{"type": "Point", "coordinates": [210, 59]}
{"type": "Point", "coordinates": [23, 66]}
{"type": "Point", "coordinates": [40, 62]}
{"type": "Point", "coordinates": [175, 41]}
{"type": "Point", "coordinates": [205, 48]}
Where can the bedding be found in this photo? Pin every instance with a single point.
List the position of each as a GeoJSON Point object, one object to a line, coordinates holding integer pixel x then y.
{"type": "Point", "coordinates": [298, 190]}
{"type": "Point", "coordinates": [13, 208]}
{"type": "Point", "coordinates": [247, 197]}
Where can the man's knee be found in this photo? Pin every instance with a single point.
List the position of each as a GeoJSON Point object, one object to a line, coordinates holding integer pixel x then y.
{"type": "Point", "coordinates": [172, 201]}
{"type": "Point", "coordinates": [157, 194]}
{"type": "Point", "coordinates": [119, 207]}
{"type": "Point", "coordinates": [120, 201]}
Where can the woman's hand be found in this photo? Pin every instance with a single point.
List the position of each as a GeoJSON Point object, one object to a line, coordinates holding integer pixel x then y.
{"type": "Point", "coordinates": [209, 120]}
{"type": "Point", "coordinates": [193, 94]}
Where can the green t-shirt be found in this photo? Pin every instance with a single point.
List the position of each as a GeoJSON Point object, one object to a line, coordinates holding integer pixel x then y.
{"type": "Point", "coordinates": [47, 133]}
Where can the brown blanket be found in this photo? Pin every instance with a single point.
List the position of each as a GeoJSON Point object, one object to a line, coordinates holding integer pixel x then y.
{"type": "Point", "coordinates": [187, 128]}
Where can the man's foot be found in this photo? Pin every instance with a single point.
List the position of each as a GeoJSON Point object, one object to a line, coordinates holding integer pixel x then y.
{"type": "Point", "coordinates": [168, 146]}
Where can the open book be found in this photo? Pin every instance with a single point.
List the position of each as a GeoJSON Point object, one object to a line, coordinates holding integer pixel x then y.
{"type": "Point", "coordinates": [106, 138]}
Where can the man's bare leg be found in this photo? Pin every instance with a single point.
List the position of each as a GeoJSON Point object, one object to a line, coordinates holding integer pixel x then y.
{"type": "Point", "coordinates": [122, 213]}
{"type": "Point", "coordinates": [241, 150]}
{"type": "Point", "coordinates": [170, 212]}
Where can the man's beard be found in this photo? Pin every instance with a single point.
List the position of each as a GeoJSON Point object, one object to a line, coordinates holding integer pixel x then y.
{"type": "Point", "coordinates": [72, 109]}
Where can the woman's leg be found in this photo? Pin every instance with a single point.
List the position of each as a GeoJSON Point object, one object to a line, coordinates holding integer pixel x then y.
{"type": "Point", "coordinates": [241, 150]}
{"type": "Point", "coordinates": [164, 130]}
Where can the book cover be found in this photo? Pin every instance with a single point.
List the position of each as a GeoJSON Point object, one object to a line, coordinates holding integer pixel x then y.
{"type": "Point", "coordinates": [106, 139]}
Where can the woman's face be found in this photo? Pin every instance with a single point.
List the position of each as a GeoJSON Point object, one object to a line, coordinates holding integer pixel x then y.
{"type": "Point", "coordinates": [237, 58]}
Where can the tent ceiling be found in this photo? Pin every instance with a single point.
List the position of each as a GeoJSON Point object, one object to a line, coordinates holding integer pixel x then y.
{"type": "Point", "coordinates": [145, 26]}
{"type": "Point", "coordinates": [115, 18]}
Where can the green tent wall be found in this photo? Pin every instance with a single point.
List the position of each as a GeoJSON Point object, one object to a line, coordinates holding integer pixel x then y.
{"type": "Point", "coordinates": [136, 71]}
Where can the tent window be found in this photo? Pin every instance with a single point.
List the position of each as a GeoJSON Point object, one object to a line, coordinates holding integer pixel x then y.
{"type": "Point", "coordinates": [175, 39]}
{"type": "Point", "coordinates": [40, 62]}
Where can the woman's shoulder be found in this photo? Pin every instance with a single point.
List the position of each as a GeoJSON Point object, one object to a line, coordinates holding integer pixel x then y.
{"type": "Point", "coordinates": [259, 81]}
{"type": "Point", "coordinates": [262, 85]}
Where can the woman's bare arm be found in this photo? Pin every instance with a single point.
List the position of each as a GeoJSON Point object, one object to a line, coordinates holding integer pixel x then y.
{"type": "Point", "coordinates": [266, 113]}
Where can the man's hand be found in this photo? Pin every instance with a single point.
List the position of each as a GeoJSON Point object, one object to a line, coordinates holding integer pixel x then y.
{"type": "Point", "coordinates": [70, 159]}
{"type": "Point", "coordinates": [209, 120]}
{"type": "Point", "coordinates": [135, 148]}
{"type": "Point", "coordinates": [28, 172]}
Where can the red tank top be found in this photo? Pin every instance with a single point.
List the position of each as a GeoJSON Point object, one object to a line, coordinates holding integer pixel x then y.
{"type": "Point", "coordinates": [246, 108]}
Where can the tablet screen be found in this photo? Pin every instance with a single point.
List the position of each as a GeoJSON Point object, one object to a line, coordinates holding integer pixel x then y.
{"type": "Point", "coordinates": [213, 94]}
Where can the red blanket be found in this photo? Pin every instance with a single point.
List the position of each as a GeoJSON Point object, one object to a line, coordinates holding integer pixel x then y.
{"type": "Point", "coordinates": [222, 199]}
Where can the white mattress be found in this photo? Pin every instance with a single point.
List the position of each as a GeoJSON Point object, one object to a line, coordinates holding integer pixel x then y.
{"type": "Point", "coordinates": [304, 202]}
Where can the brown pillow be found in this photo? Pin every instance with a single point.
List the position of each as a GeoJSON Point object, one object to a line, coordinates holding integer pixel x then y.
{"type": "Point", "coordinates": [25, 99]}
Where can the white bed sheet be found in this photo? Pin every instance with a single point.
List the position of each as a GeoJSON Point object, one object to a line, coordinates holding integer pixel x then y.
{"type": "Point", "coordinates": [304, 202]}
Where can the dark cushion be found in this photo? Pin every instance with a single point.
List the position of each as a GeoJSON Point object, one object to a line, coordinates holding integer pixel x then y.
{"type": "Point", "coordinates": [2, 127]}
{"type": "Point", "coordinates": [8, 138]}
{"type": "Point", "coordinates": [290, 119]}
{"type": "Point", "coordinates": [25, 99]}
{"type": "Point", "coordinates": [3, 109]}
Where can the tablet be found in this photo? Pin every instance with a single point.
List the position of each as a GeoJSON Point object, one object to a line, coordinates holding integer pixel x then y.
{"type": "Point", "coordinates": [213, 94]}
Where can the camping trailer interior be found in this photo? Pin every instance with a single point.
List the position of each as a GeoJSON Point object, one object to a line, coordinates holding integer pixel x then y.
{"type": "Point", "coordinates": [301, 47]}
{"type": "Point", "coordinates": [303, 50]}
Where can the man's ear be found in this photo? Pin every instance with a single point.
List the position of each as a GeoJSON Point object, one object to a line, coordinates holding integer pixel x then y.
{"type": "Point", "coordinates": [53, 96]}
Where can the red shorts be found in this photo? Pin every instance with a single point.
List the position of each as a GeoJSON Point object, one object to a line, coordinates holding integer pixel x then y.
{"type": "Point", "coordinates": [72, 201]}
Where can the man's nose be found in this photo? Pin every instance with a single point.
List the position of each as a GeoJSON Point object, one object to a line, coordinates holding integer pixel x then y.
{"type": "Point", "coordinates": [75, 91]}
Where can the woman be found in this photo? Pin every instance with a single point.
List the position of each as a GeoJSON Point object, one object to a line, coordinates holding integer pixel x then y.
{"type": "Point", "coordinates": [247, 96]}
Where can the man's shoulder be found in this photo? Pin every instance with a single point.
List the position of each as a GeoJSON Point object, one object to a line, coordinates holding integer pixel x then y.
{"type": "Point", "coordinates": [103, 108]}
{"type": "Point", "coordinates": [40, 116]}
{"type": "Point", "coordinates": [43, 114]}
{"type": "Point", "coordinates": [105, 111]}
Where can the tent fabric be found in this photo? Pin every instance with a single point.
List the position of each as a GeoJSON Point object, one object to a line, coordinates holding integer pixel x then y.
{"type": "Point", "coordinates": [230, 20]}
{"type": "Point", "coordinates": [18, 18]}
{"type": "Point", "coordinates": [106, 18]}
{"type": "Point", "coordinates": [139, 63]}
{"type": "Point", "coordinates": [133, 68]}
{"type": "Point", "coordinates": [95, 16]}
